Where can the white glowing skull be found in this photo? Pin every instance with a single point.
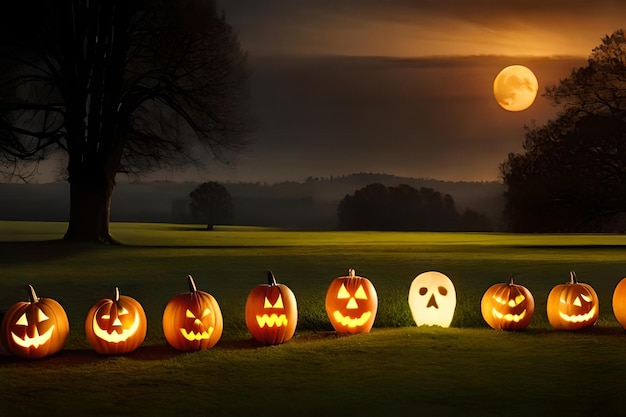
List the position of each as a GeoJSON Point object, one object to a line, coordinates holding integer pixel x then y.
{"type": "Point", "coordinates": [432, 299]}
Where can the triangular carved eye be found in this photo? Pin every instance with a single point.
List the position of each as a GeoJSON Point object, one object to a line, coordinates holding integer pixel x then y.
{"type": "Point", "coordinates": [189, 314]}
{"type": "Point", "coordinates": [122, 311]}
{"type": "Point", "coordinates": [277, 304]}
{"type": "Point", "coordinates": [343, 293]}
{"type": "Point", "coordinates": [22, 321]}
{"type": "Point", "coordinates": [42, 316]}
{"type": "Point", "coordinates": [360, 294]}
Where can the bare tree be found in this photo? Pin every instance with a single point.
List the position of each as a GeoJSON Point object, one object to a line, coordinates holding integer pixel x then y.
{"type": "Point", "coordinates": [118, 86]}
{"type": "Point", "coordinates": [213, 201]}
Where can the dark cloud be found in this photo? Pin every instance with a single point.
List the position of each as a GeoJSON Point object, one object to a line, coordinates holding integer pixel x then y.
{"type": "Point", "coordinates": [319, 115]}
{"type": "Point", "coordinates": [409, 27]}
{"type": "Point", "coordinates": [417, 117]}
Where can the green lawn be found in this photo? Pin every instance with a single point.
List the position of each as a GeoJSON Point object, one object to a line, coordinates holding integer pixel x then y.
{"type": "Point", "coordinates": [397, 369]}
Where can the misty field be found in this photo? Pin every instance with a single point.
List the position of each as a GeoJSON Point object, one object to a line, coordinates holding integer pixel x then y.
{"type": "Point", "coordinates": [397, 369]}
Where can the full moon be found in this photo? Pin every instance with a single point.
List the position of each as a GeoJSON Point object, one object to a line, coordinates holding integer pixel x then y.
{"type": "Point", "coordinates": [515, 88]}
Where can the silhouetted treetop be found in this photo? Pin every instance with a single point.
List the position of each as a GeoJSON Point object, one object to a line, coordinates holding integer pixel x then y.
{"type": "Point", "coordinates": [571, 177]}
{"type": "Point", "coordinates": [600, 86]}
{"type": "Point", "coordinates": [213, 202]}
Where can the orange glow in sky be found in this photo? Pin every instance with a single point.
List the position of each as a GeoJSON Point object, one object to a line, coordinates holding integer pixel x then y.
{"type": "Point", "coordinates": [332, 96]}
{"type": "Point", "coordinates": [403, 28]}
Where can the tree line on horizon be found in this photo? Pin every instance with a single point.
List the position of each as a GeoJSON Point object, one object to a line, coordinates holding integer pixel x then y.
{"type": "Point", "coordinates": [404, 208]}
{"type": "Point", "coordinates": [373, 207]}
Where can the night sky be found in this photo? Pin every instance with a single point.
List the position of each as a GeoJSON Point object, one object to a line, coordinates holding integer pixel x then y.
{"type": "Point", "coordinates": [401, 87]}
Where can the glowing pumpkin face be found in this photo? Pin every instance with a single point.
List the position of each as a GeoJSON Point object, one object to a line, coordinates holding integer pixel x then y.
{"type": "Point", "coordinates": [117, 325]}
{"type": "Point", "coordinates": [507, 306]}
{"type": "Point", "coordinates": [271, 312]}
{"type": "Point", "coordinates": [351, 304]}
{"type": "Point", "coordinates": [432, 299]}
{"type": "Point", "coordinates": [573, 305]}
{"type": "Point", "coordinates": [193, 320]}
{"type": "Point", "coordinates": [35, 329]}
{"type": "Point", "coordinates": [619, 302]}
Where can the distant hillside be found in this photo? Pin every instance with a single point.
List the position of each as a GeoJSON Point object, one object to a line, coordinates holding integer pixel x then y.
{"type": "Point", "coordinates": [310, 204]}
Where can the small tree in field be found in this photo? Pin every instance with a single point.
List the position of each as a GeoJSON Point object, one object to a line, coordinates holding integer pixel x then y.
{"type": "Point", "coordinates": [213, 202]}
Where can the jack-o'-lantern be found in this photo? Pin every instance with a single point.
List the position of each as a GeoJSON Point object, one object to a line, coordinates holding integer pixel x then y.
{"type": "Point", "coordinates": [507, 306]}
{"type": "Point", "coordinates": [351, 304]}
{"type": "Point", "coordinates": [193, 320]}
{"type": "Point", "coordinates": [619, 302]}
{"type": "Point", "coordinates": [573, 305]}
{"type": "Point", "coordinates": [116, 325]}
{"type": "Point", "coordinates": [271, 312]}
{"type": "Point", "coordinates": [36, 328]}
{"type": "Point", "coordinates": [432, 299]}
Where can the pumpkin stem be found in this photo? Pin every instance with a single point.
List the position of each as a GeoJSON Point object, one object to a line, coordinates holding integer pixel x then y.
{"type": "Point", "coordinates": [510, 279]}
{"type": "Point", "coordinates": [116, 295]}
{"type": "Point", "coordinates": [351, 273]}
{"type": "Point", "coordinates": [32, 296]}
{"type": "Point", "coordinates": [192, 284]}
{"type": "Point", "coordinates": [271, 279]}
{"type": "Point", "coordinates": [572, 277]}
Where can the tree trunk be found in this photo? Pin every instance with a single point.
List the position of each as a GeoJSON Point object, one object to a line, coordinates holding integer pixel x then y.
{"type": "Point", "coordinates": [90, 210]}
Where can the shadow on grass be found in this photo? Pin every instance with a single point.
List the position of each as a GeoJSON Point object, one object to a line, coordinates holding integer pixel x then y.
{"type": "Point", "coordinates": [42, 251]}
{"type": "Point", "coordinates": [160, 352]}
{"type": "Point", "coordinates": [195, 228]}
{"type": "Point", "coordinates": [74, 357]}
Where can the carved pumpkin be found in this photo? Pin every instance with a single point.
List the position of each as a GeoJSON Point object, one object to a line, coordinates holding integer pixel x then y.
{"type": "Point", "coordinates": [351, 304]}
{"type": "Point", "coordinates": [36, 328]}
{"type": "Point", "coordinates": [116, 325]}
{"type": "Point", "coordinates": [573, 305]}
{"type": "Point", "coordinates": [619, 302]}
{"type": "Point", "coordinates": [432, 299]}
{"type": "Point", "coordinates": [507, 306]}
{"type": "Point", "coordinates": [271, 312]}
{"type": "Point", "coordinates": [193, 320]}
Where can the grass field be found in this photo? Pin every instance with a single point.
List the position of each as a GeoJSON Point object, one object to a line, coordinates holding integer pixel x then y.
{"type": "Point", "coordinates": [397, 369]}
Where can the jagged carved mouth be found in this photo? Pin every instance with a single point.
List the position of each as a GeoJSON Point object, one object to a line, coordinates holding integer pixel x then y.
{"type": "Point", "coordinates": [508, 316]}
{"type": "Point", "coordinates": [352, 322]}
{"type": "Point", "coordinates": [273, 320]}
{"type": "Point", "coordinates": [35, 341]}
{"type": "Point", "coordinates": [191, 336]}
{"type": "Point", "coordinates": [578, 318]}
